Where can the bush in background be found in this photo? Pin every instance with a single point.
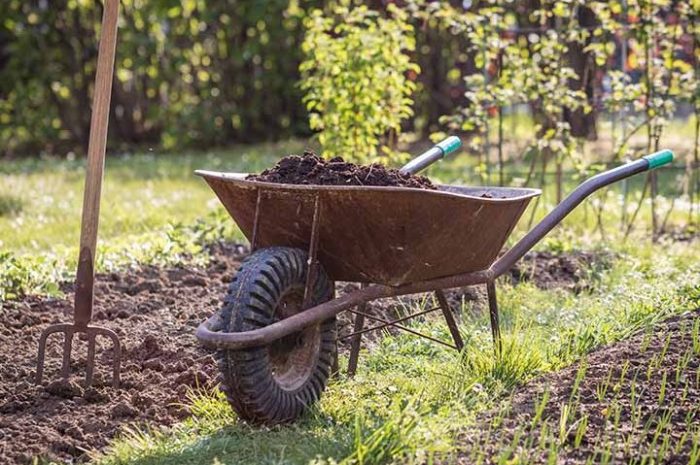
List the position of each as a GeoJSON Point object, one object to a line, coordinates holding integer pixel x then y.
{"type": "Point", "coordinates": [357, 80]}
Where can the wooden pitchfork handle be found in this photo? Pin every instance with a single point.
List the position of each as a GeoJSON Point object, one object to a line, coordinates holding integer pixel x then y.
{"type": "Point", "coordinates": [97, 145]}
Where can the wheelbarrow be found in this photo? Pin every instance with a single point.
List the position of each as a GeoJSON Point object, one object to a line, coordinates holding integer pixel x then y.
{"type": "Point", "coordinates": [276, 333]}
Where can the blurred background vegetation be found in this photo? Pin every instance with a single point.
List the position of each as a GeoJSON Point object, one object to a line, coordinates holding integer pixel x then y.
{"type": "Point", "coordinates": [203, 73]}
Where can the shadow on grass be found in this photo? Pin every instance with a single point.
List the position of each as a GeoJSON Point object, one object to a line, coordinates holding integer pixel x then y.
{"type": "Point", "coordinates": [214, 435]}
{"type": "Point", "coordinates": [238, 444]}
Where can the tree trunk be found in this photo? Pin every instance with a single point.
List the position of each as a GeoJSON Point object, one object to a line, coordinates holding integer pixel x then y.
{"type": "Point", "coordinates": [583, 124]}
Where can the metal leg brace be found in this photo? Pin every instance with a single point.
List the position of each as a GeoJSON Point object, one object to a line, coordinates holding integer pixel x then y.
{"type": "Point", "coordinates": [493, 312]}
{"type": "Point", "coordinates": [449, 319]}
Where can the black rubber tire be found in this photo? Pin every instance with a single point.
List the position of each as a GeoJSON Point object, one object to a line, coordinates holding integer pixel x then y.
{"type": "Point", "coordinates": [267, 281]}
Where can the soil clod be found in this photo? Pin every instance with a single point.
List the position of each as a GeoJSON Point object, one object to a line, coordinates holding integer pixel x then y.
{"type": "Point", "coordinates": [574, 271]}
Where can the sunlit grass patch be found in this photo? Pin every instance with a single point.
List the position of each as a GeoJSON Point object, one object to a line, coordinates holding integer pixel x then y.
{"type": "Point", "coordinates": [142, 193]}
{"type": "Point", "coordinates": [154, 210]}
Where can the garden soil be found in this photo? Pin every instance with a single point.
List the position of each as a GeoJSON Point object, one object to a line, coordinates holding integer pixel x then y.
{"type": "Point", "coordinates": [623, 367]}
{"type": "Point", "coordinates": [575, 271]}
{"type": "Point", "coordinates": [312, 169]}
{"type": "Point", "coordinates": [155, 312]}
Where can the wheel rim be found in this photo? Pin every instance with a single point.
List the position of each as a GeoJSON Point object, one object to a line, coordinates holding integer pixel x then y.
{"type": "Point", "coordinates": [293, 357]}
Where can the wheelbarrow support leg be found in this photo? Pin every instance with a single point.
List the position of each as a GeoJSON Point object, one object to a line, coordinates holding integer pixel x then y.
{"type": "Point", "coordinates": [356, 340]}
{"type": "Point", "coordinates": [449, 319]}
{"type": "Point", "coordinates": [493, 313]}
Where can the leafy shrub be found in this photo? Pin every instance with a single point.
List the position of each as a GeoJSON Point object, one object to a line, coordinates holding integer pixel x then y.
{"type": "Point", "coordinates": [355, 76]}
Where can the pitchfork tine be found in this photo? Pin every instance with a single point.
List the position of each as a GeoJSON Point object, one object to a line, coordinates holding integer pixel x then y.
{"type": "Point", "coordinates": [67, 349]}
{"type": "Point", "coordinates": [117, 356]}
{"type": "Point", "coordinates": [92, 332]}
{"type": "Point", "coordinates": [90, 362]}
{"type": "Point", "coordinates": [42, 348]}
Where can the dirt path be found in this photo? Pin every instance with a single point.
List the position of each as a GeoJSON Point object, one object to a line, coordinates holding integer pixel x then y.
{"type": "Point", "coordinates": [638, 401]}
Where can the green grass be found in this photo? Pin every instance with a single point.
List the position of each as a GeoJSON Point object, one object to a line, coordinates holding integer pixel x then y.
{"type": "Point", "coordinates": [40, 201]}
{"type": "Point", "coordinates": [410, 397]}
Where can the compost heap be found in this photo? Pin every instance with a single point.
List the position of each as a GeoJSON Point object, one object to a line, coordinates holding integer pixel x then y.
{"type": "Point", "coordinates": [309, 168]}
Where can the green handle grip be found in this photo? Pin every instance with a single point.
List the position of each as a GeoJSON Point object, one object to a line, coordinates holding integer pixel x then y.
{"type": "Point", "coordinates": [657, 159]}
{"type": "Point", "coordinates": [449, 145]}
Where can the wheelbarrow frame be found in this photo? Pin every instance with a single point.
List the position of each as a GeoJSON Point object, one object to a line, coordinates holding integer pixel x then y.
{"type": "Point", "coordinates": [211, 332]}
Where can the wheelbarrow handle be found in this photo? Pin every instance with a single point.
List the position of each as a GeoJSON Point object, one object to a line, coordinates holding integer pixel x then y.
{"type": "Point", "coordinates": [584, 190]}
{"type": "Point", "coordinates": [429, 157]}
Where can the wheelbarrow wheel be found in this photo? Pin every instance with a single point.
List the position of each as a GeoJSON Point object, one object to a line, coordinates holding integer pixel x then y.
{"type": "Point", "coordinates": [277, 383]}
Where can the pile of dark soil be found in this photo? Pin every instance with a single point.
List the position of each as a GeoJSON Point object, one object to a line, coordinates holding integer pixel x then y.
{"type": "Point", "coordinates": [574, 271]}
{"type": "Point", "coordinates": [312, 169]}
{"type": "Point", "coordinates": [639, 376]}
{"type": "Point", "coordinates": [155, 312]}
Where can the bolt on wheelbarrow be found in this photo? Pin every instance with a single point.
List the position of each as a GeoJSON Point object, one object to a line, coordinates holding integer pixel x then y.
{"type": "Point", "coordinates": [276, 334]}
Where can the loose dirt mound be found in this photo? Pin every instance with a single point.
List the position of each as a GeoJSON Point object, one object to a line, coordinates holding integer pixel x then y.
{"type": "Point", "coordinates": [624, 404]}
{"type": "Point", "coordinates": [155, 313]}
{"type": "Point", "coordinates": [574, 271]}
{"type": "Point", "coordinates": [312, 169]}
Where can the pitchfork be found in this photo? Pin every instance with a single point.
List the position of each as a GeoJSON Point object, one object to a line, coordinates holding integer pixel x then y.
{"type": "Point", "coordinates": [85, 276]}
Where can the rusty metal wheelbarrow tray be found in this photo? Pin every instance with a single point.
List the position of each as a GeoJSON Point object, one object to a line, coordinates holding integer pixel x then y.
{"type": "Point", "coordinates": [383, 235]}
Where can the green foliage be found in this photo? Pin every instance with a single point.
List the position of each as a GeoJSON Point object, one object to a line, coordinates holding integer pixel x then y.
{"type": "Point", "coordinates": [356, 78]}
{"type": "Point", "coordinates": [516, 362]}
{"type": "Point", "coordinates": [512, 69]}
{"type": "Point", "coordinates": [384, 443]}
{"type": "Point", "coordinates": [21, 276]}
{"type": "Point", "coordinates": [187, 73]}
{"type": "Point", "coordinates": [665, 78]}
{"type": "Point", "coordinates": [174, 243]}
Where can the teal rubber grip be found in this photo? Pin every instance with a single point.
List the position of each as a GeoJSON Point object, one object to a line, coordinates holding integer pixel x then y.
{"type": "Point", "coordinates": [660, 158]}
{"type": "Point", "coordinates": [449, 145]}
